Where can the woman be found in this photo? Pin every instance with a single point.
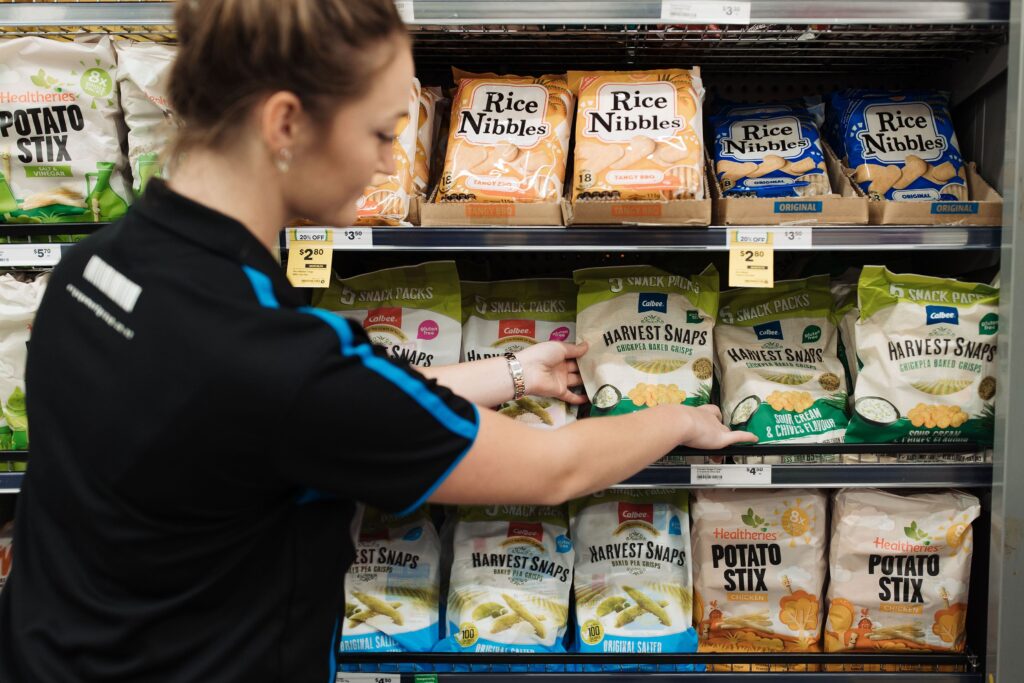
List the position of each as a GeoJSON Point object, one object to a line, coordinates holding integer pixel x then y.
{"type": "Point", "coordinates": [200, 437]}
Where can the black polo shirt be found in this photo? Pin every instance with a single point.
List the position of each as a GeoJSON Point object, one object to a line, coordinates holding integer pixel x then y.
{"type": "Point", "coordinates": [199, 442]}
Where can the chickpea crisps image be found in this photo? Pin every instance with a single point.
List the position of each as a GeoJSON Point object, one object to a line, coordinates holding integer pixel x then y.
{"type": "Point", "coordinates": [927, 348]}
{"type": "Point", "coordinates": [386, 200]}
{"type": "Point", "coordinates": [900, 569]}
{"type": "Point", "coordinates": [759, 569]}
{"type": "Point", "coordinates": [639, 135]}
{"type": "Point", "coordinates": [508, 140]}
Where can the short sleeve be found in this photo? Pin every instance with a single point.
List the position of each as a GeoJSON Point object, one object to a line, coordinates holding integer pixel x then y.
{"type": "Point", "coordinates": [374, 430]}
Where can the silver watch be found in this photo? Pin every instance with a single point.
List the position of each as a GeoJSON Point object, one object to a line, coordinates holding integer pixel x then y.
{"type": "Point", "coordinates": [515, 369]}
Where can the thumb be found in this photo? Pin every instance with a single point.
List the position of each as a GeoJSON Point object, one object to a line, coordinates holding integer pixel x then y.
{"type": "Point", "coordinates": [741, 437]}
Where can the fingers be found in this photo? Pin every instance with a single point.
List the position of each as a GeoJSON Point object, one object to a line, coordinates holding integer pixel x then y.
{"type": "Point", "coordinates": [574, 399]}
{"type": "Point", "coordinates": [713, 409]}
{"type": "Point", "coordinates": [575, 350]}
{"type": "Point", "coordinates": [741, 437]}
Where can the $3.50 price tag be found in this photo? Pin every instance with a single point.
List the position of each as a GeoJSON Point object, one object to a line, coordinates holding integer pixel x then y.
{"type": "Point", "coordinates": [731, 475]}
{"type": "Point", "coordinates": [356, 238]}
{"type": "Point", "coordinates": [309, 263]}
{"type": "Point", "coordinates": [705, 12]}
{"type": "Point", "coordinates": [751, 258]}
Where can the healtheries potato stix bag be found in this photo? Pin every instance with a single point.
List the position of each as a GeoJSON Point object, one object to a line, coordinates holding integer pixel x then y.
{"type": "Point", "coordinates": [633, 582]}
{"type": "Point", "coordinates": [639, 135]}
{"type": "Point", "coordinates": [650, 336]}
{"type": "Point", "coordinates": [927, 348]}
{"type": "Point", "coordinates": [511, 316]}
{"type": "Point", "coordinates": [900, 144]}
{"type": "Point", "coordinates": [386, 200]}
{"type": "Point", "coordinates": [759, 569]}
{"type": "Point", "coordinates": [60, 152]}
{"type": "Point", "coordinates": [778, 357]}
{"type": "Point", "coordinates": [414, 312]}
{"type": "Point", "coordinates": [900, 569]}
{"type": "Point", "coordinates": [392, 589]}
{"type": "Point", "coordinates": [508, 140]}
{"type": "Point", "coordinates": [510, 580]}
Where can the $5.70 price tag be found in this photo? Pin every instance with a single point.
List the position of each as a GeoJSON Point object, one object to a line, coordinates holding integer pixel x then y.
{"type": "Point", "coordinates": [29, 255]}
{"type": "Point", "coordinates": [705, 12]}
{"type": "Point", "coordinates": [309, 264]}
{"type": "Point", "coordinates": [751, 258]}
{"type": "Point", "coordinates": [731, 475]}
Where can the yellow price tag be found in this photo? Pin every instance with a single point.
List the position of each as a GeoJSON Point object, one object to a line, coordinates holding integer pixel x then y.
{"type": "Point", "coordinates": [309, 264]}
{"type": "Point", "coordinates": [751, 258]}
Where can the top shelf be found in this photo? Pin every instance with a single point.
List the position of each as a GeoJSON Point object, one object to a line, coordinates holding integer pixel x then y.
{"type": "Point", "coordinates": [574, 12]}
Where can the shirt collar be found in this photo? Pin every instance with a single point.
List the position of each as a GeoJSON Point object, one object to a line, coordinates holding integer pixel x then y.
{"type": "Point", "coordinates": [211, 230]}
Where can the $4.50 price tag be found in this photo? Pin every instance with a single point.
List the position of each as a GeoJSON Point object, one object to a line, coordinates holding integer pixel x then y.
{"type": "Point", "coordinates": [751, 258]}
{"type": "Point", "coordinates": [705, 12]}
{"type": "Point", "coordinates": [309, 263]}
{"type": "Point", "coordinates": [731, 475]}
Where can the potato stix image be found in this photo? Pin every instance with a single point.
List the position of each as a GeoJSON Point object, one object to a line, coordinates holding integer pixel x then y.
{"type": "Point", "coordinates": [638, 135]}
{"type": "Point", "coordinates": [508, 140]}
{"type": "Point", "coordinates": [386, 200]}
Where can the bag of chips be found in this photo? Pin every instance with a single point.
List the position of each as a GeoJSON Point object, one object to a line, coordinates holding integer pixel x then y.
{"type": "Point", "coordinates": [639, 135]}
{"type": "Point", "coordinates": [144, 75]}
{"type": "Point", "coordinates": [428, 125]}
{"type": "Point", "coordinates": [508, 140]}
{"type": "Point", "coordinates": [386, 200]}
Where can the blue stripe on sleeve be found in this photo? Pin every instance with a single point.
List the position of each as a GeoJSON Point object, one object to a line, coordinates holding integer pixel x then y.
{"type": "Point", "coordinates": [263, 287]}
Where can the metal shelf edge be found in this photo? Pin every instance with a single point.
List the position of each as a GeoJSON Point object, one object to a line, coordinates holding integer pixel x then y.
{"type": "Point", "coordinates": [831, 475]}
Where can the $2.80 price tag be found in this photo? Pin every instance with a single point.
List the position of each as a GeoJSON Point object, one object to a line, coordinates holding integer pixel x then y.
{"type": "Point", "coordinates": [731, 475]}
{"type": "Point", "coordinates": [309, 264]}
{"type": "Point", "coordinates": [751, 258]}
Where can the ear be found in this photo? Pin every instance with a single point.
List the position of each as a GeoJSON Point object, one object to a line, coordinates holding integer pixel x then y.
{"type": "Point", "coordinates": [281, 119]}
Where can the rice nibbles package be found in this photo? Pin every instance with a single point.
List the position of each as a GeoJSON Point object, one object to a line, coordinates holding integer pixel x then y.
{"type": "Point", "coordinates": [414, 312]}
{"type": "Point", "coordinates": [510, 580]}
{"type": "Point", "coordinates": [650, 336]}
{"type": "Point", "coordinates": [60, 149]}
{"type": "Point", "coordinates": [778, 356]}
{"type": "Point", "coordinates": [900, 570]}
{"type": "Point", "coordinates": [927, 348]}
{"type": "Point", "coordinates": [392, 588]}
{"type": "Point", "coordinates": [633, 585]}
{"type": "Point", "coordinates": [513, 315]}
{"type": "Point", "coordinates": [386, 200]}
{"type": "Point", "coordinates": [639, 135]}
{"type": "Point", "coordinates": [508, 140]}
{"type": "Point", "coordinates": [759, 569]}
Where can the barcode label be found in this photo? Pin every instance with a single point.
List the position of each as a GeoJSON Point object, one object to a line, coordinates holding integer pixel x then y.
{"type": "Point", "coordinates": [112, 282]}
{"type": "Point", "coordinates": [705, 12]}
{"type": "Point", "coordinates": [731, 475]}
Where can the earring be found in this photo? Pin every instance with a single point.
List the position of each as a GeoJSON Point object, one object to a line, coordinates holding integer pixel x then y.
{"type": "Point", "coordinates": [284, 160]}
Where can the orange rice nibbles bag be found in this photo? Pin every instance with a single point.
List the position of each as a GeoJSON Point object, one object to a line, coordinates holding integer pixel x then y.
{"type": "Point", "coordinates": [508, 139]}
{"type": "Point", "coordinates": [638, 135]}
{"type": "Point", "coordinates": [386, 200]}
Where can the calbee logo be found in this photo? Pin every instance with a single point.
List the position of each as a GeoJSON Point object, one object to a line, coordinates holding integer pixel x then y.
{"type": "Point", "coordinates": [945, 315]}
{"type": "Point", "coordinates": [772, 330]}
{"type": "Point", "coordinates": [652, 302]}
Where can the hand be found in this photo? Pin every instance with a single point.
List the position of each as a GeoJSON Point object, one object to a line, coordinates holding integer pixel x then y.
{"type": "Point", "coordinates": [550, 370]}
{"type": "Point", "coordinates": [707, 431]}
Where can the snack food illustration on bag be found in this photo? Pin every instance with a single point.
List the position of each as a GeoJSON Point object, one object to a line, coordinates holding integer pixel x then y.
{"type": "Point", "coordinates": [639, 135]}
{"type": "Point", "coordinates": [899, 145]}
{"type": "Point", "coordinates": [508, 139]}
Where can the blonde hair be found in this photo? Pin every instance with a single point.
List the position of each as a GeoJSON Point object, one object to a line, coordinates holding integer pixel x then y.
{"type": "Point", "coordinates": [233, 52]}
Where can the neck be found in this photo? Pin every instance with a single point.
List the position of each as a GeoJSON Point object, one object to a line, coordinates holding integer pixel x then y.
{"type": "Point", "coordinates": [214, 180]}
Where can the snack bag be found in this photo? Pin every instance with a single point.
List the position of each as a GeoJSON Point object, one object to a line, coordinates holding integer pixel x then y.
{"type": "Point", "coordinates": [19, 301]}
{"type": "Point", "coordinates": [392, 589]}
{"type": "Point", "coordinates": [927, 348]}
{"type": "Point", "coordinates": [143, 75]}
{"type": "Point", "coordinates": [900, 569]}
{"type": "Point", "coordinates": [900, 145]}
{"type": "Point", "coordinates": [412, 311]}
{"type": "Point", "coordinates": [765, 153]}
{"type": "Point", "coordinates": [511, 316]}
{"type": "Point", "coordinates": [386, 201]}
{"type": "Point", "coordinates": [60, 151]}
{"type": "Point", "coordinates": [778, 356]}
{"type": "Point", "coordinates": [844, 295]}
{"type": "Point", "coordinates": [6, 552]}
{"type": "Point", "coordinates": [510, 580]}
{"type": "Point", "coordinates": [427, 124]}
{"type": "Point", "coordinates": [759, 569]}
{"type": "Point", "coordinates": [508, 140]}
{"type": "Point", "coordinates": [639, 135]}
{"type": "Point", "coordinates": [650, 336]}
{"type": "Point", "coordinates": [633, 586]}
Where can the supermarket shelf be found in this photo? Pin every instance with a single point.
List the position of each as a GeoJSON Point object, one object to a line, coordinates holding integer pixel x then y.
{"type": "Point", "coordinates": [550, 11]}
{"type": "Point", "coordinates": [688, 677]}
{"type": "Point", "coordinates": [828, 476]}
{"type": "Point", "coordinates": [862, 238]}
{"type": "Point", "coordinates": [10, 482]}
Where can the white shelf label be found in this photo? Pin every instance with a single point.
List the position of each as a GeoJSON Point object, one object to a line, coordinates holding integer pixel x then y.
{"type": "Point", "coordinates": [367, 678]}
{"type": "Point", "coordinates": [29, 255]}
{"type": "Point", "coordinates": [705, 12]}
{"type": "Point", "coordinates": [311, 235]}
{"type": "Point", "coordinates": [782, 238]}
{"type": "Point", "coordinates": [731, 475]}
{"type": "Point", "coordinates": [356, 238]}
{"type": "Point", "coordinates": [406, 10]}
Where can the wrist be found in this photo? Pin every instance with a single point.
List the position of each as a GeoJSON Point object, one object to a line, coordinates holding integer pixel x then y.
{"type": "Point", "coordinates": [517, 375]}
